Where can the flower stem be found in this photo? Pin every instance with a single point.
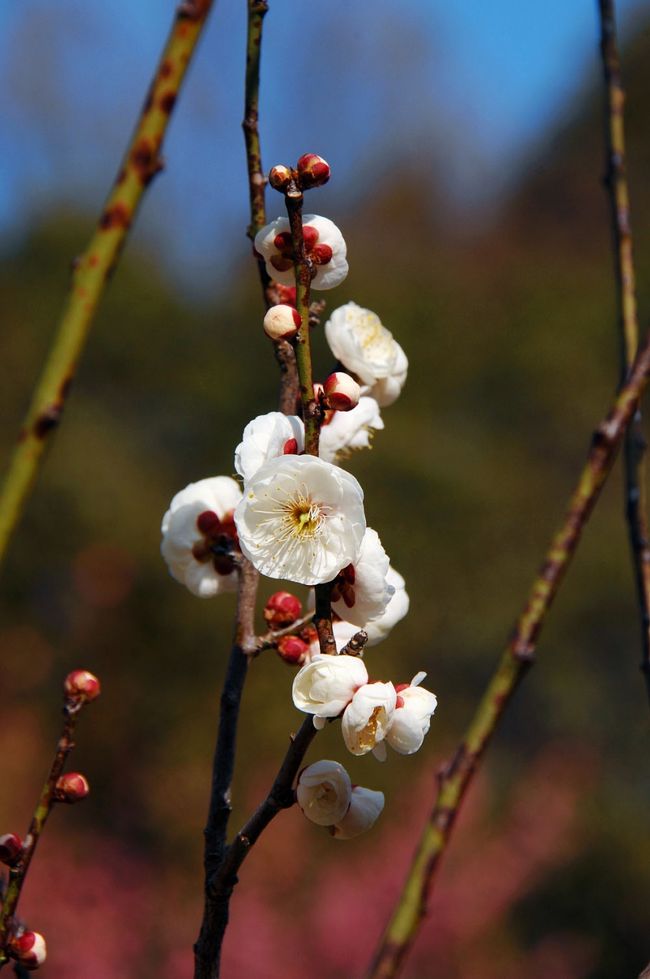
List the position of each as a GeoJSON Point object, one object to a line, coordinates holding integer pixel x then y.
{"type": "Point", "coordinates": [635, 445]}
{"type": "Point", "coordinates": [43, 809]}
{"type": "Point", "coordinates": [303, 267]}
{"type": "Point", "coordinates": [94, 266]}
{"type": "Point", "coordinates": [454, 779]}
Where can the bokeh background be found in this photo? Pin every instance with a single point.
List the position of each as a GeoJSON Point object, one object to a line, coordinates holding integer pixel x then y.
{"type": "Point", "coordinates": [466, 145]}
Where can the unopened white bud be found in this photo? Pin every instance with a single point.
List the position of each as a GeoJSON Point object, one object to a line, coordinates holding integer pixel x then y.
{"type": "Point", "coordinates": [282, 322]}
{"type": "Point", "coordinates": [342, 391]}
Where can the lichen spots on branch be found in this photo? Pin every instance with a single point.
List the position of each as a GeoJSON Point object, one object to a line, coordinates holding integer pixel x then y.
{"type": "Point", "coordinates": [48, 419]}
{"type": "Point", "coordinates": [116, 216]}
{"type": "Point", "coordinates": [167, 101]}
{"type": "Point", "coordinates": [145, 160]}
{"type": "Point", "coordinates": [166, 69]}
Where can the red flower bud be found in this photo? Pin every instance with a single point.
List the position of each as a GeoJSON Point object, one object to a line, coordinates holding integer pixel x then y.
{"type": "Point", "coordinates": [313, 171]}
{"type": "Point", "coordinates": [11, 849]}
{"type": "Point", "coordinates": [342, 392]}
{"type": "Point", "coordinates": [72, 787]}
{"type": "Point", "coordinates": [280, 177]}
{"type": "Point", "coordinates": [81, 686]}
{"type": "Point", "coordinates": [29, 949]}
{"type": "Point", "coordinates": [282, 609]}
{"type": "Point", "coordinates": [293, 650]}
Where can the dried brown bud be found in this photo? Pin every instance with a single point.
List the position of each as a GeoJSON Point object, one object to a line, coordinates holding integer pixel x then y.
{"type": "Point", "coordinates": [313, 171]}
{"type": "Point", "coordinates": [72, 787]}
{"type": "Point", "coordinates": [280, 177]}
{"type": "Point", "coordinates": [81, 686]}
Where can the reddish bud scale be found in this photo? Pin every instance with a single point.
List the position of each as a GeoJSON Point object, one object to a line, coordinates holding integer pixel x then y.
{"type": "Point", "coordinates": [82, 686]}
{"type": "Point", "coordinates": [71, 787]}
{"type": "Point", "coordinates": [321, 254]}
{"type": "Point", "coordinates": [208, 522]}
{"type": "Point", "coordinates": [401, 686]}
{"type": "Point", "coordinates": [282, 609]}
{"type": "Point", "coordinates": [11, 849]}
{"type": "Point", "coordinates": [310, 236]}
{"type": "Point", "coordinates": [313, 170]}
{"type": "Point", "coordinates": [293, 650]}
{"type": "Point", "coordinates": [29, 949]}
{"type": "Point", "coordinates": [290, 448]}
{"type": "Point", "coordinates": [399, 701]}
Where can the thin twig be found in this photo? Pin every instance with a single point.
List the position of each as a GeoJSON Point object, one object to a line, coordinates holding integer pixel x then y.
{"type": "Point", "coordinates": [635, 445]}
{"type": "Point", "coordinates": [18, 874]}
{"type": "Point", "coordinates": [93, 267]}
{"type": "Point", "coordinates": [270, 638]}
{"type": "Point", "coordinates": [455, 777]}
{"type": "Point", "coordinates": [283, 350]}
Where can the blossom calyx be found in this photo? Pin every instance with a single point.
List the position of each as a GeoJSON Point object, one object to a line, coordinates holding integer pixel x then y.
{"type": "Point", "coordinates": [293, 650]}
{"type": "Point", "coordinates": [327, 684]}
{"type": "Point", "coordinates": [29, 949]}
{"type": "Point", "coordinates": [282, 609]}
{"type": "Point", "coordinates": [341, 391]}
{"type": "Point", "coordinates": [366, 806]}
{"type": "Point", "coordinates": [324, 244]}
{"type": "Point", "coordinates": [81, 686]}
{"type": "Point", "coordinates": [313, 171]}
{"type": "Point", "coordinates": [71, 787]}
{"type": "Point", "coordinates": [282, 322]}
{"type": "Point", "coordinates": [11, 849]}
{"type": "Point", "coordinates": [324, 792]}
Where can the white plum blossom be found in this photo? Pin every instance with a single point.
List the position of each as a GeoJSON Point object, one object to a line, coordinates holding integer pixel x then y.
{"type": "Point", "coordinates": [412, 716]}
{"type": "Point", "coordinates": [324, 245]}
{"type": "Point", "coordinates": [267, 437]}
{"type": "Point", "coordinates": [366, 806]}
{"type": "Point", "coordinates": [327, 684]}
{"type": "Point", "coordinates": [301, 519]}
{"type": "Point", "coordinates": [396, 609]}
{"type": "Point", "coordinates": [367, 718]}
{"type": "Point", "coordinates": [361, 592]}
{"type": "Point", "coordinates": [347, 431]}
{"type": "Point", "coordinates": [365, 347]}
{"type": "Point", "coordinates": [387, 389]}
{"type": "Point", "coordinates": [324, 792]}
{"type": "Point", "coordinates": [198, 530]}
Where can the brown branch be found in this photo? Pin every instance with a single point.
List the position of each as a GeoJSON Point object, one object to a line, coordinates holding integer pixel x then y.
{"type": "Point", "coordinates": [206, 948]}
{"type": "Point", "coordinates": [48, 798]}
{"type": "Point", "coordinates": [454, 779]}
{"type": "Point", "coordinates": [635, 445]}
{"type": "Point", "coordinates": [94, 266]}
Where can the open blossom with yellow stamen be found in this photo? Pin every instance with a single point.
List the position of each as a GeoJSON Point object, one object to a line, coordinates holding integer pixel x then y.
{"type": "Point", "coordinates": [364, 346]}
{"type": "Point", "coordinates": [301, 519]}
{"type": "Point", "coordinates": [367, 718]}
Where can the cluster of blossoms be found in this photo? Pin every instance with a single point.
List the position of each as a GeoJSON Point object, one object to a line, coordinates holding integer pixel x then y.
{"type": "Point", "coordinates": [300, 517]}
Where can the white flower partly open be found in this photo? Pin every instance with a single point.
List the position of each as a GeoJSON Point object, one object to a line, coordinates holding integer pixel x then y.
{"type": "Point", "coordinates": [327, 684]}
{"type": "Point", "coordinates": [324, 245]}
{"type": "Point", "coordinates": [366, 806]}
{"type": "Point", "coordinates": [412, 716]}
{"type": "Point", "coordinates": [359, 340]}
{"type": "Point", "coordinates": [361, 592]}
{"type": "Point", "coordinates": [324, 792]}
{"type": "Point", "coordinates": [301, 519]}
{"type": "Point", "coordinates": [268, 437]}
{"type": "Point", "coordinates": [367, 718]}
{"type": "Point", "coordinates": [396, 609]}
{"type": "Point", "coordinates": [198, 530]}
{"type": "Point", "coordinates": [347, 431]}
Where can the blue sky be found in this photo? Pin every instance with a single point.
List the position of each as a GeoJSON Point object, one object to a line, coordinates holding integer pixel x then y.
{"type": "Point", "coordinates": [474, 84]}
